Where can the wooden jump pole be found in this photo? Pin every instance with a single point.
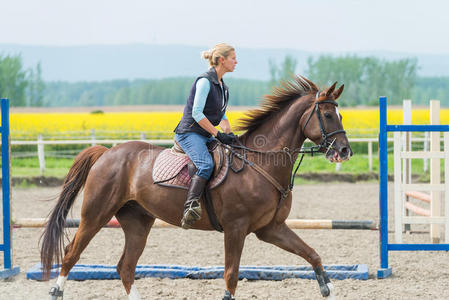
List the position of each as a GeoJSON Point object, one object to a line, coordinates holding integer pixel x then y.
{"type": "Point", "coordinates": [414, 208]}
{"type": "Point", "coordinates": [292, 223]}
{"type": "Point", "coordinates": [418, 195]}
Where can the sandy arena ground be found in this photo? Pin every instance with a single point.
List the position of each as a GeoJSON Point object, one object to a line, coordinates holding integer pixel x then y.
{"type": "Point", "coordinates": [416, 275]}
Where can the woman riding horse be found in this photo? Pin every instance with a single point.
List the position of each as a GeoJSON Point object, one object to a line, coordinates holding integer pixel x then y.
{"type": "Point", "coordinates": [205, 109]}
{"type": "Point", "coordinates": [256, 199]}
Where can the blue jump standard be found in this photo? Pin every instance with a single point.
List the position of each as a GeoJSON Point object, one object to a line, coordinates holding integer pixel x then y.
{"type": "Point", "coordinates": [102, 272]}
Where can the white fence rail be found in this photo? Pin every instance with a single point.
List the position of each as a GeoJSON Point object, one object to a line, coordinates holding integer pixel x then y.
{"type": "Point", "coordinates": [40, 143]}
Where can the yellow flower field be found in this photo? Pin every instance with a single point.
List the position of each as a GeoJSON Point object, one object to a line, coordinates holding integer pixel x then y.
{"type": "Point", "coordinates": [357, 122]}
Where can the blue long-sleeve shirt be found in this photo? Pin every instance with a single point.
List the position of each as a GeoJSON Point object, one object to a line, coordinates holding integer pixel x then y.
{"type": "Point", "coordinates": [202, 90]}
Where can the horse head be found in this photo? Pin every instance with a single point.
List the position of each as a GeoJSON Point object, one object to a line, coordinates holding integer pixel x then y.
{"type": "Point", "coordinates": [322, 124]}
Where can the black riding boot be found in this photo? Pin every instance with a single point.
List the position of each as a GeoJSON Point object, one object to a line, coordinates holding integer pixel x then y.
{"type": "Point", "coordinates": [192, 206]}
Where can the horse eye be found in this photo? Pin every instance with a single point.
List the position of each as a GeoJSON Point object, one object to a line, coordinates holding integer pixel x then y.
{"type": "Point", "coordinates": [328, 115]}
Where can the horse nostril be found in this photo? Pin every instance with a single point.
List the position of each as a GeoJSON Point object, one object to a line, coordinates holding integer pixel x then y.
{"type": "Point", "coordinates": [344, 151]}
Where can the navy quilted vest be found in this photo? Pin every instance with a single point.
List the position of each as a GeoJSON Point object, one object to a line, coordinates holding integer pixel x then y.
{"type": "Point", "coordinates": [214, 109]}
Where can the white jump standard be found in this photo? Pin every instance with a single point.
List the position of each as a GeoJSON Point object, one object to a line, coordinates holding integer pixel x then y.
{"type": "Point", "coordinates": [385, 246]}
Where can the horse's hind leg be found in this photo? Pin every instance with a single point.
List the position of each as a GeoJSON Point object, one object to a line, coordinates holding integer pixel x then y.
{"type": "Point", "coordinates": [86, 231]}
{"type": "Point", "coordinates": [95, 213]}
{"type": "Point", "coordinates": [136, 224]}
{"type": "Point", "coordinates": [283, 237]}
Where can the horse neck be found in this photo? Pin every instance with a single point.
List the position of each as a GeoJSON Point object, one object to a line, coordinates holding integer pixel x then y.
{"type": "Point", "coordinates": [281, 130]}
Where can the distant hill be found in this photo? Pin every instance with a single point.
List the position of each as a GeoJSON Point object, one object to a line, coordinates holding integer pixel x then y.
{"type": "Point", "coordinates": [99, 63]}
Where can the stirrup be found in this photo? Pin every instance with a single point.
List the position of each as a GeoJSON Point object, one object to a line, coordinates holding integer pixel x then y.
{"type": "Point", "coordinates": [191, 214]}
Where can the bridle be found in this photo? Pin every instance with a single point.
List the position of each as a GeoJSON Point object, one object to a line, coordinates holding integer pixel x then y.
{"type": "Point", "coordinates": [325, 144]}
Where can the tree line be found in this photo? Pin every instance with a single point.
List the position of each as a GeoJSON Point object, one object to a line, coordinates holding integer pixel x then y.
{"type": "Point", "coordinates": [140, 92]}
{"type": "Point", "coordinates": [24, 87]}
{"type": "Point", "coordinates": [365, 79]}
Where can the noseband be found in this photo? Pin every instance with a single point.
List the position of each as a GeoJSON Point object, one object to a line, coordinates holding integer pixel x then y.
{"type": "Point", "coordinates": [325, 143]}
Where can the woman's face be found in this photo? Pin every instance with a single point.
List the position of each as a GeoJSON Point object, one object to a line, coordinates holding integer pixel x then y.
{"type": "Point", "coordinates": [230, 62]}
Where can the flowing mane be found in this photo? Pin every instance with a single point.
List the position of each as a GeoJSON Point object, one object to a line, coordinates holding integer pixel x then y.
{"type": "Point", "coordinates": [281, 96]}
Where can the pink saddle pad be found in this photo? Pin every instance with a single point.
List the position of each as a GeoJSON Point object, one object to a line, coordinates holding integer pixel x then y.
{"type": "Point", "coordinates": [170, 169]}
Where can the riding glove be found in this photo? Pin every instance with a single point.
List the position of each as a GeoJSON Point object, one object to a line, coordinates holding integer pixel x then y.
{"type": "Point", "coordinates": [226, 138]}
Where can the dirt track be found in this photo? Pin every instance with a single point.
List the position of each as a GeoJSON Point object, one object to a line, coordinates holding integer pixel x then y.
{"type": "Point", "coordinates": [415, 275]}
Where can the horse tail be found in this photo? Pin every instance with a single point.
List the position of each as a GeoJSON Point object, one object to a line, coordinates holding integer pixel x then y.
{"type": "Point", "coordinates": [52, 237]}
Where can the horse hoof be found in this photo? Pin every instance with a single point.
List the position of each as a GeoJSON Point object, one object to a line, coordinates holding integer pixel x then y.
{"type": "Point", "coordinates": [325, 291]}
{"type": "Point", "coordinates": [55, 292]}
{"type": "Point", "coordinates": [228, 296]}
{"type": "Point", "coordinates": [330, 295]}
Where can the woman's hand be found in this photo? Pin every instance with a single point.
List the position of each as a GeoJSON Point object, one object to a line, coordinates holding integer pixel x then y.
{"type": "Point", "coordinates": [226, 138]}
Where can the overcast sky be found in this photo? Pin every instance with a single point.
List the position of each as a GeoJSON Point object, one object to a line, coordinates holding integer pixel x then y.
{"type": "Point", "coordinates": [319, 25]}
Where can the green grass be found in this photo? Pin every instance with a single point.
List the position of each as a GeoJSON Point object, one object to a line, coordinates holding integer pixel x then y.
{"type": "Point", "coordinates": [50, 162]}
{"type": "Point", "coordinates": [33, 172]}
{"type": "Point", "coordinates": [358, 164]}
{"type": "Point", "coordinates": [29, 167]}
{"type": "Point", "coordinates": [26, 184]}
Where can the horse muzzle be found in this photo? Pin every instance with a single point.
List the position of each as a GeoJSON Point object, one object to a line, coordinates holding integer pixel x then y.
{"type": "Point", "coordinates": [339, 153]}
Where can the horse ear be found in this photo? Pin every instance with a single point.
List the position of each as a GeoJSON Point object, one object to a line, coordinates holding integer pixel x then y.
{"type": "Point", "coordinates": [331, 89]}
{"type": "Point", "coordinates": [339, 91]}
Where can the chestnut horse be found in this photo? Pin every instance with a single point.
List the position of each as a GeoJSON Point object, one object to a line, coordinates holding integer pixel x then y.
{"type": "Point", "coordinates": [118, 182]}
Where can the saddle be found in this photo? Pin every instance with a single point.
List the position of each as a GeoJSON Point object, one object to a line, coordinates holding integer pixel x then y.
{"type": "Point", "coordinates": [173, 168]}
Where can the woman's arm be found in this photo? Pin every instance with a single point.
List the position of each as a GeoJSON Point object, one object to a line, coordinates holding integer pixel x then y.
{"type": "Point", "coordinates": [202, 90]}
{"type": "Point", "coordinates": [225, 125]}
{"type": "Point", "coordinates": [207, 125]}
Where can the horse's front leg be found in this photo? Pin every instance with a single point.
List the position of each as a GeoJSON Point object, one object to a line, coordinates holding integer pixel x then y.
{"type": "Point", "coordinates": [234, 239]}
{"type": "Point", "coordinates": [283, 237]}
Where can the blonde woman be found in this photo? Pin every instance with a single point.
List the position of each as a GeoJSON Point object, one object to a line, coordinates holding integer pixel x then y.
{"type": "Point", "coordinates": [205, 109]}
